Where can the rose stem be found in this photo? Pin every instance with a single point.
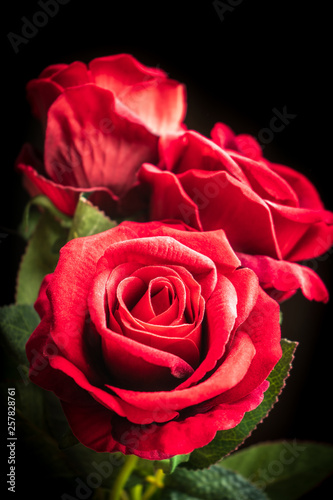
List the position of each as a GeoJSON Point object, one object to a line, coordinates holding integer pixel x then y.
{"type": "Point", "coordinates": [136, 492]}
{"type": "Point", "coordinates": [123, 476]}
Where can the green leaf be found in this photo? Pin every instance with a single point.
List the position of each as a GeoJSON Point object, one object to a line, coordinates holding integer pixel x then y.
{"type": "Point", "coordinates": [227, 441]}
{"type": "Point", "coordinates": [30, 217]}
{"type": "Point", "coordinates": [146, 467]}
{"type": "Point", "coordinates": [89, 220]}
{"type": "Point", "coordinates": [40, 258]}
{"type": "Point", "coordinates": [286, 469]}
{"type": "Point", "coordinates": [169, 466]}
{"type": "Point", "coordinates": [17, 322]}
{"type": "Point", "coordinates": [176, 495]}
{"type": "Point", "coordinates": [215, 483]}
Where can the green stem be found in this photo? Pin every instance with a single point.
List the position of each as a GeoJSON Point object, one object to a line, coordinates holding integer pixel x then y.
{"type": "Point", "coordinates": [149, 492]}
{"type": "Point", "coordinates": [123, 476]}
{"type": "Point", "coordinates": [136, 492]}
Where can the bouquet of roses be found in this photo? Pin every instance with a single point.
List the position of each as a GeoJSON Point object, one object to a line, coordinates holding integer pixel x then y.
{"type": "Point", "coordinates": [146, 334]}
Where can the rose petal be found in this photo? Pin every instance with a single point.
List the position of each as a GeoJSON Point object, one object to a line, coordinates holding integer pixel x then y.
{"type": "Point", "coordinates": [165, 251]}
{"type": "Point", "coordinates": [44, 90]}
{"type": "Point", "coordinates": [246, 285]}
{"type": "Point", "coordinates": [181, 339]}
{"type": "Point", "coordinates": [69, 288]}
{"type": "Point", "coordinates": [265, 182]}
{"type": "Point", "coordinates": [158, 101]}
{"type": "Point", "coordinates": [213, 244]}
{"type": "Point", "coordinates": [155, 442]}
{"type": "Point", "coordinates": [197, 194]}
{"type": "Point", "coordinates": [108, 400]}
{"type": "Point", "coordinates": [217, 194]}
{"type": "Point", "coordinates": [157, 299]}
{"type": "Point", "coordinates": [229, 374]}
{"type": "Point", "coordinates": [223, 136]}
{"type": "Point", "coordinates": [286, 276]}
{"type": "Point", "coordinates": [222, 304]}
{"type": "Point", "coordinates": [103, 431]}
{"type": "Point", "coordinates": [308, 197]}
{"type": "Point", "coordinates": [192, 295]}
{"type": "Point", "coordinates": [124, 356]}
{"type": "Point", "coordinates": [85, 135]}
{"type": "Point", "coordinates": [182, 207]}
{"type": "Point", "coordinates": [302, 233]}
{"type": "Point", "coordinates": [192, 150]}
{"type": "Point", "coordinates": [263, 328]}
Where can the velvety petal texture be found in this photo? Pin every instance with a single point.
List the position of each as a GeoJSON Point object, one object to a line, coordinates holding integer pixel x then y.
{"type": "Point", "coordinates": [101, 122]}
{"type": "Point", "coordinates": [154, 336]}
{"type": "Point", "coordinates": [225, 183]}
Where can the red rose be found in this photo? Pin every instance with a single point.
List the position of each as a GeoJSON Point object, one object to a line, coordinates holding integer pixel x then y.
{"type": "Point", "coordinates": [154, 338]}
{"type": "Point", "coordinates": [269, 212]}
{"type": "Point", "coordinates": [102, 121]}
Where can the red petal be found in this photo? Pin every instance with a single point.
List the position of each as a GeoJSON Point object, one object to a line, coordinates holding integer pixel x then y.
{"type": "Point", "coordinates": [263, 328]}
{"type": "Point", "coordinates": [265, 182]}
{"type": "Point", "coordinates": [223, 136]}
{"type": "Point", "coordinates": [89, 144]}
{"type": "Point", "coordinates": [119, 71]}
{"type": "Point", "coordinates": [228, 375]}
{"type": "Point", "coordinates": [43, 91]}
{"type": "Point", "coordinates": [64, 198]}
{"type": "Point", "coordinates": [246, 285]}
{"type": "Point", "coordinates": [286, 276]}
{"type": "Point", "coordinates": [302, 233]}
{"type": "Point", "coordinates": [161, 106]}
{"type": "Point", "coordinates": [159, 102]}
{"type": "Point", "coordinates": [213, 244]}
{"type": "Point", "coordinates": [166, 251]}
{"type": "Point", "coordinates": [158, 442]}
{"type": "Point", "coordinates": [192, 151]}
{"type": "Point", "coordinates": [103, 397]}
{"type": "Point", "coordinates": [242, 214]}
{"type": "Point", "coordinates": [222, 304]}
{"type": "Point", "coordinates": [307, 194]}
{"type": "Point", "coordinates": [124, 356]}
{"type": "Point", "coordinates": [51, 70]}
{"type": "Point", "coordinates": [164, 187]}
{"type": "Point", "coordinates": [68, 291]}
{"type": "Point", "coordinates": [245, 144]}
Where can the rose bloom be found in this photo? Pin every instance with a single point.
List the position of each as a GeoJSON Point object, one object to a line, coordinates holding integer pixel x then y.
{"type": "Point", "coordinates": [154, 337]}
{"type": "Point", "coordinates": [101, 122]}
{"type": "Point", "coordinates": [271, 214]}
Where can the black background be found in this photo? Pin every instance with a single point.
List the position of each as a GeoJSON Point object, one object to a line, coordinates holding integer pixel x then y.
{"type": "Point", "coordinates": [261, 56]}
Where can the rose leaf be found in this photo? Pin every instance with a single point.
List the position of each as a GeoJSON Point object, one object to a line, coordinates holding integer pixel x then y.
{"type": "Point", "coordinates": [215, 483]}
{"type": "Point", "coordinates": [227, 441]}
{"type": "Point", "coordinates": [17, 322]}
{"type": "Point", "coordinates": [169, 466]}
{"type": "Point", "coordinates": [30, 217]}
{"type": "Point", "coordinates": [88, 220]}
{"type": "Point", "coordinates": [286, 469]}
{"type": "Point", "coordinates": [40, 258]}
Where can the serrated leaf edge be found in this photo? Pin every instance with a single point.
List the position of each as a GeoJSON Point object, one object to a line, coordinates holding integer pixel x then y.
{"type": "Point", "coordinates": [295, 343]}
